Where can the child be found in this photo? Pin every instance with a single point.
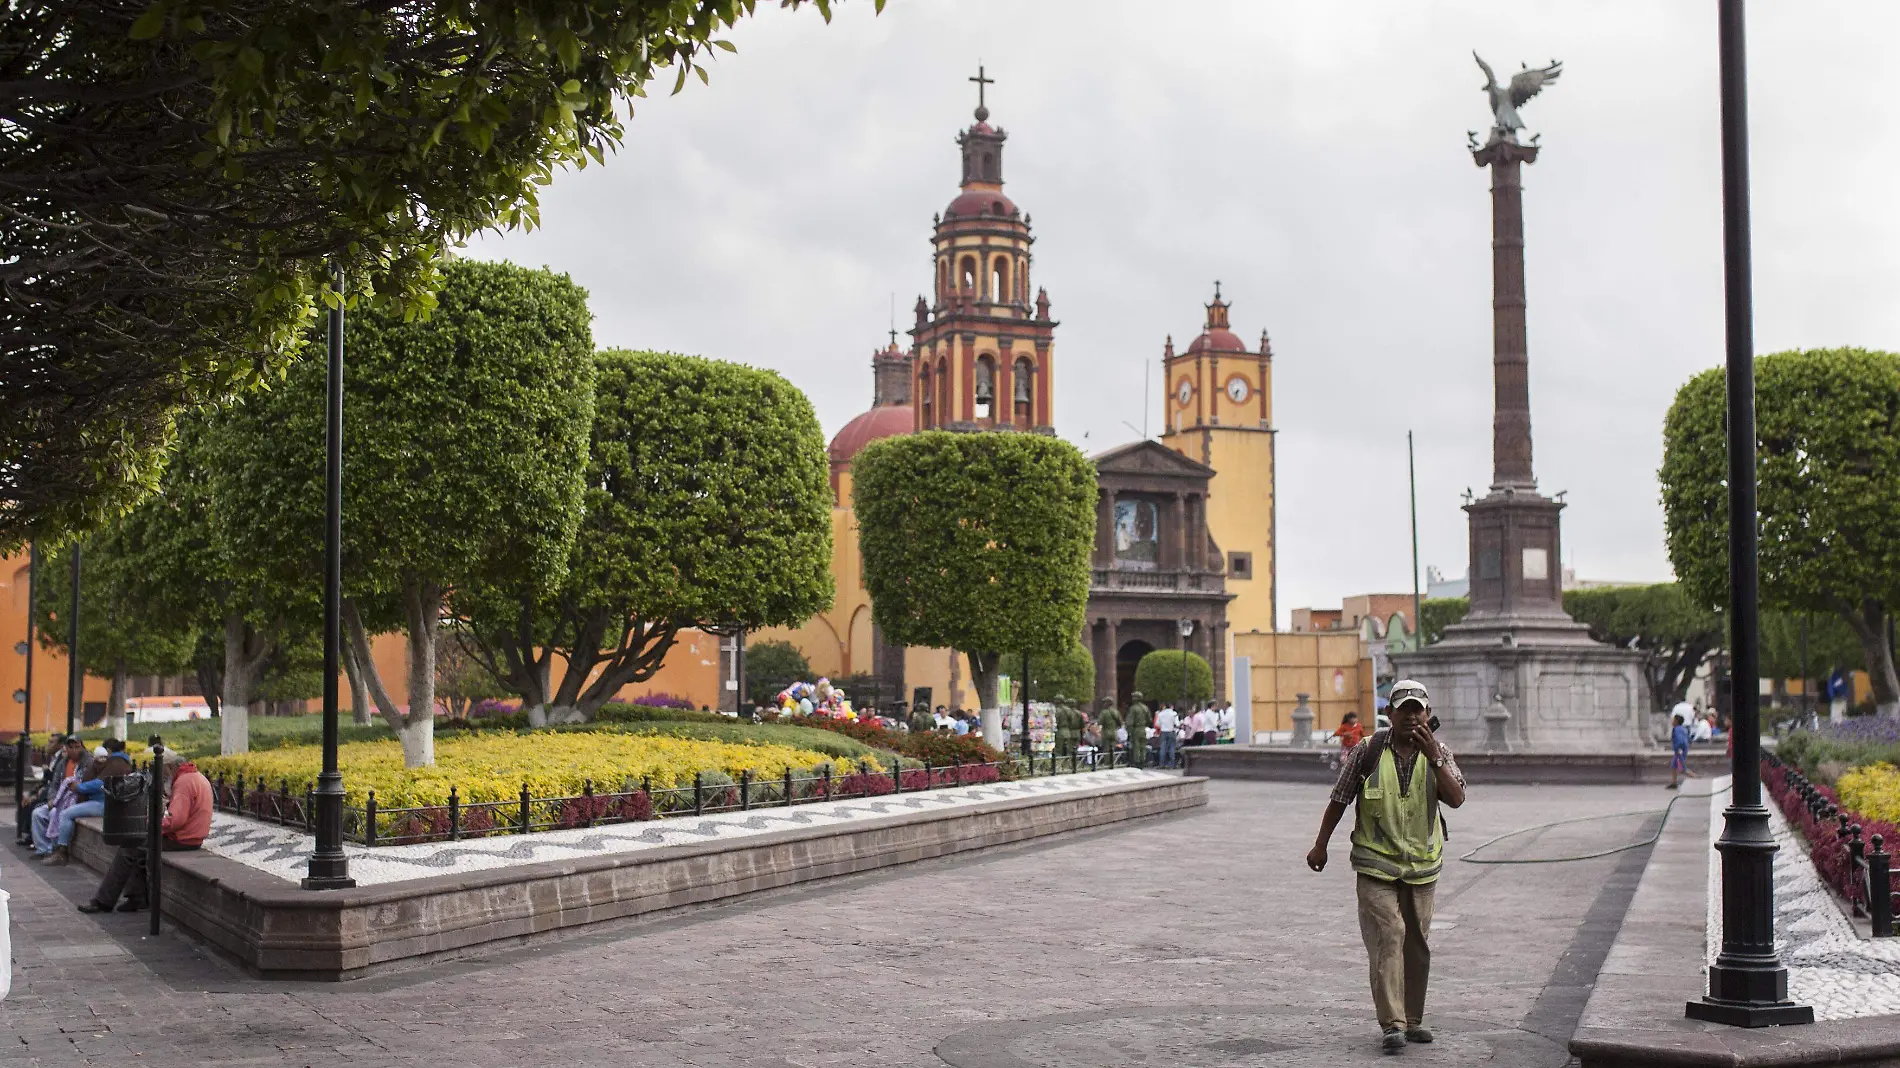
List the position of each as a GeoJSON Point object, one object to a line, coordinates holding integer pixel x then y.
{"type": "Point", "coordinates": [1679, 760]}
{"type": "Point", "coordinates": [1350, 733]}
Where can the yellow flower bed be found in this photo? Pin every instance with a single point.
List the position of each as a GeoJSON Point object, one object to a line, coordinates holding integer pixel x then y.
{"type": "Point", "coordinates": [493, 767]}
{"type": "Point", "coordinates": [1873, 791]}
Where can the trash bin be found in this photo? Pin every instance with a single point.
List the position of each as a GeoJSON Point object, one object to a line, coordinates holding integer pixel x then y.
{"type": "Point", "coordinates": [127, 813]}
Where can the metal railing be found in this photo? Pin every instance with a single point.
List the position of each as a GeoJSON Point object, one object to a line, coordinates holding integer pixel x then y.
{"type": "Point", "coordinates": [1867, 874]}
{"type": "Point", "coordinates": [373, 824]}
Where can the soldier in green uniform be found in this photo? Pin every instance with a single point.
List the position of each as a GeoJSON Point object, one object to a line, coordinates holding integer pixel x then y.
{"type": "Point", "coordinates": [1138, 720]}
{"type": "Point", "coordinates": [1109, 719]}
{"type": "Point", "coordinates": [1069, 725]}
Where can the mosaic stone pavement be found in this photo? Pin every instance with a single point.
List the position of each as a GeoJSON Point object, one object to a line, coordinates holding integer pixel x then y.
{"type": "Point", "coordinates": [285, 852]}
{"type": "Point", "coordinates": [1830, 966]}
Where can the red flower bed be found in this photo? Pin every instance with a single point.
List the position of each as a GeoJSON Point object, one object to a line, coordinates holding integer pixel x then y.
{"type": "Point", "coordinates": [1826, 847]}
{"type": "Point", "coordinates": [935, 747]}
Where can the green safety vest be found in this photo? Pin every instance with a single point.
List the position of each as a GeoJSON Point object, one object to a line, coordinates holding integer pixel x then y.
{"type": "Point", "coordinates": [1398, 838]}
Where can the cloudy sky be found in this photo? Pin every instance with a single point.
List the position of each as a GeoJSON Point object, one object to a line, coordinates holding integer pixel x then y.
{"type": "Point", "coordinates": [1311, 157]}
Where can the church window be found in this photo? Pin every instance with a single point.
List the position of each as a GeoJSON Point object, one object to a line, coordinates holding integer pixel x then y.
{"type": "Point", "coordinates": [1025, 382]}
{"type": "Point", "coordinates": [985, 387]}
{"type": "Point", "coordinates": [946, 413]}
{"type": "Point", "coordinates": [969, 274]}
{"type": "Point", "coordinates": [1240, 565]}
{"type": "Point", "coordinates": [999, 280]}
{"type": "Point", "coordinates": [923, 390]}
{"type": "Point", "coordinates": [943, 279]}
{"type": "Point", "coordinates": [989, 166]}
{"type": "Point", "coordinates": [1137, 535]}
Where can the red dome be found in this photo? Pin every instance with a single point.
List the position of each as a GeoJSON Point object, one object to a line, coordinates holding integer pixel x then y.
{"type": "Point", "coordinates": [885, 421]}
{"type": "Point", "coordinates": [975, 202]}
{"type": "Point", "coordinates": [1217, 340]}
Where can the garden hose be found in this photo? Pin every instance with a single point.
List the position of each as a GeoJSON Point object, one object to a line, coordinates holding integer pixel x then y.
{"type": "Point", "coordinates": [1472, 857]}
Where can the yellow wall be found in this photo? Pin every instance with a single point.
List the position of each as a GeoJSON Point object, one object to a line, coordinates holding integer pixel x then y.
{"type": "Point", "coordinates": [1240, 516]}
{"type": "Point", "coordinates": [1331, 669]}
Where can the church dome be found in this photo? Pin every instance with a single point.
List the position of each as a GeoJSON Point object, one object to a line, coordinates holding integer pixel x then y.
{"type": "Point", "coordinates": [1217, 339]}
{"type": "Point", "coordinates": [974, 202]}
{"type": "Point", "coordinates": [884, 421]}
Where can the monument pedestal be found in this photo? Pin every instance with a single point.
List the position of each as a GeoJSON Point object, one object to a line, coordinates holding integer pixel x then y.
{"type": "Point", "coordinates": [1562, 690]}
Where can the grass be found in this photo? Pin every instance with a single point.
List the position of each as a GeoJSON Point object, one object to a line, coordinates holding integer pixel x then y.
{"type": "Point", "coordinates": [1824, 755]}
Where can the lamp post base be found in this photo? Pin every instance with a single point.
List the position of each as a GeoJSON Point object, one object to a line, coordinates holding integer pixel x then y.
{"type": "Point", "coordinates": [1749, 1013]}
{"type": "Point", "coordinates": [328, 873]}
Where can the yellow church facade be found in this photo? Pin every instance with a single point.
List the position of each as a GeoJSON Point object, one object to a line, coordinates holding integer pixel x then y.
{"type": "Point", "coordinates": [1176, 541]}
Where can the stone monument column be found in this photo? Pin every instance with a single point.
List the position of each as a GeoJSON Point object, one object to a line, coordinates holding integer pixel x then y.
{"type": "Point", "coordinates": [1510, 345]}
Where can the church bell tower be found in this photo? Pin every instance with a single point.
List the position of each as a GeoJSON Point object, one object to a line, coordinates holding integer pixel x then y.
{"type": "Point", "coordinates": [983, 353]}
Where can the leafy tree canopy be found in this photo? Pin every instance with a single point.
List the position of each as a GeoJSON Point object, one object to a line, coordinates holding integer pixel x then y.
{"type": "Point", "coordinates": [1674, 633]}
{"type": "Point", "coordinates": [177, 173]}
{"type": "Point", "coordinates": [978, 543]}
{"type": "Point", "coordinates": [1827, 462]}
{"type": "Point", "coordinates": [1437, 613]}
{"type": "Point", "coordinates": [708, 504]}
{"type": "Point", "coordinates": [467, 444]}
{"type": "Point", "coordinates": [1159, 676]}
{"type": "Point", "coordinates": [1070, 674]}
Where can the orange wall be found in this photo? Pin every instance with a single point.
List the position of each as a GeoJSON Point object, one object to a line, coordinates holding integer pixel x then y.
{"type": "Point", "coordinates": [49, 668]}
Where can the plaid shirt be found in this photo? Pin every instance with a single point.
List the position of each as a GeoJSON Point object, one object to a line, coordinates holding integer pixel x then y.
{"type": "Point", "coordinates": [1352, 773]}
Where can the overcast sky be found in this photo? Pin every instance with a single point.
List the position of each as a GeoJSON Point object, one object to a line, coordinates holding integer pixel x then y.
{"type": "Point", "coordinates": [1310, 156]}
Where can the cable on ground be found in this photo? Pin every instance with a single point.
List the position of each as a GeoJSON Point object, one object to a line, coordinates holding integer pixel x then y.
{"type": "Point", "coordinates": [1472, 857]}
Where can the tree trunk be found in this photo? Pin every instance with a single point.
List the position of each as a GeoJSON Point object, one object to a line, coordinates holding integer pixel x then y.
{"type": "Point", "coordinates": [983, 672]}
{"type": "Point", "coordinates": [115, 703]}
{"type": "Point", "coordinates": [1870, 626]}
{"type": "Point", "coordinates": [422, 603]}
{"type": "Point", "coordinates": [245, 652]}
{"type": "Point", "coordinates": [360, 713]}
{"type": "Point", "coordinates": [373, 680]}
{"type": "Point", "coordinates": [210, 684]}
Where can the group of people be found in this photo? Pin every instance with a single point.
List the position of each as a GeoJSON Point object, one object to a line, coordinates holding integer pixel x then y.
{"type": "Point", "coordinates": [73, 785]}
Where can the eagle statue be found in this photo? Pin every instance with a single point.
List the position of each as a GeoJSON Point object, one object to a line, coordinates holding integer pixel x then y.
{"type": "Point", "coordinates": [1506, 99]}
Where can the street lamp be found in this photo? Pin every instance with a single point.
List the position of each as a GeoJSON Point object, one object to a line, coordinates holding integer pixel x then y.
{"type": "Point", "coordinates": [25, 748]}
{"type": "Point", "coordinates": [1186, 627]}
{"type": "Point", "coordinates": [1748, 985]}
{"type": "Point", "coordinates": [75, 675]}
{"type": "Point", "coordinates": [329, 867]}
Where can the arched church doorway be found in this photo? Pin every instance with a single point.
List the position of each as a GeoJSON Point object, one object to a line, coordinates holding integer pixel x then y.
{"type": "Point", "coordinates": [1126, 658]}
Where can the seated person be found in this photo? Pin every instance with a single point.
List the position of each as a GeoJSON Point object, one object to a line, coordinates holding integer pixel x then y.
{"type": "Point", "coordinates": [186, 821]}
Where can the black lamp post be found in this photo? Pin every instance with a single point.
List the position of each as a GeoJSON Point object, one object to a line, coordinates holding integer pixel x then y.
{"type": "Point", "coordinates": [1026, 749]}
{"type": "Point", "coordinates": [1186, 627]}
{"type": "Point", "coordinates": [75, 675]}
{"type": "Point", "coordinates": [1748, 986]}
{"type": "Point", "coordinates": [329, 866]}
{"type": "Point", "coordinates": [24, 751]}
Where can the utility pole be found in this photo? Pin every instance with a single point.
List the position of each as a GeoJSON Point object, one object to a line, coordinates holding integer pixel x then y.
{"type": "Point", "coordinates": [1411, 474]}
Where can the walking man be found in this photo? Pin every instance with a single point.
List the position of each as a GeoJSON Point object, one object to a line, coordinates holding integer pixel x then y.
{"type": "Point", "coordinates": [1398, 777]}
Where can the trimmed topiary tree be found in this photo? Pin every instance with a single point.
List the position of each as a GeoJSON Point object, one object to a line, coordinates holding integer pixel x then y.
{"type": "Point", "coordinates": [1070, 673]}
{"type": "Point", "coordinates": [978, 543]}
{"type": "Point", "coordinates": [1158, 676]}
{"type": "Point", "coordinates": [1828, 461]}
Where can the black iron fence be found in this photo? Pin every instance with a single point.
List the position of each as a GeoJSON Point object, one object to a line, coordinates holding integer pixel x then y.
{"type": "Point", "coordinates": [1862, 872]}
{"type": "Point", "coordinates": [374, 824]}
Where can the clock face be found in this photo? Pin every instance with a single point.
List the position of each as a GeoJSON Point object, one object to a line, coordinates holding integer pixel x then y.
{"type": "Point", "coordinates": [1185, 392]}
{"type": "Point", "coordinates": [1237, 389]}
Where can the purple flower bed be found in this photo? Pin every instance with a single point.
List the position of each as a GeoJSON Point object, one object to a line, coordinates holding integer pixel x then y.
{"type": "Point", "coordinates": [662, 700]}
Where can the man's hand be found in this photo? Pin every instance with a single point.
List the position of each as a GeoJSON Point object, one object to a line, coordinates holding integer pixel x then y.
{"type": "Point", "coordinates": [1316, 857]}
{"type": "Point", "coordinates": [1421, 737]}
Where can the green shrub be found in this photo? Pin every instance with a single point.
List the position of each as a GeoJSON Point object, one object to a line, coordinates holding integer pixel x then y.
{"type": "Point", "coordinates": [1159, 677]}
{"type": "Point", "coordinates": [619, 712]}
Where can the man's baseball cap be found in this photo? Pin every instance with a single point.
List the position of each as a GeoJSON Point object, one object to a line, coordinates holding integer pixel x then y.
{"type": "Point", "coordinates": [1407, 691]}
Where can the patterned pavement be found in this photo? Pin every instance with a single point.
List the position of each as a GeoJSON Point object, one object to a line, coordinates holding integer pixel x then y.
{"type": "Point", "coordinates": [283, 852]}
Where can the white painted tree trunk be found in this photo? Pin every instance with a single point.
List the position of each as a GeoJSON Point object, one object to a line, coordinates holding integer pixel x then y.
{"type": "Point", "coordinates": [983, 671]}
{"type": "Point", "coordinates": [115, 705]}
{"type": "Point", "coordinates": [418, 741]}
{"type": "Point", "coordinates": [993, 727]}
{"type": "Point", "coordinates": [234, 705]}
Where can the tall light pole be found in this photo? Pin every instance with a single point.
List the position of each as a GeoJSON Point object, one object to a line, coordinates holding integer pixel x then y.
{"type": "Point", "coordinates": [1411, 476]}
{"type": "Point", "coordinates": [75, 675]}
{"type": "Point", "coordinates": [1026, 749]}
{"type": "Point", "coordinates": [24, 751]}
{"type": "Point", "coordinates": [329, 867]}
{"type": "Point", "coordinates": [1186, 627]}
{"type": "Point", "coordinates": [1748, 986]}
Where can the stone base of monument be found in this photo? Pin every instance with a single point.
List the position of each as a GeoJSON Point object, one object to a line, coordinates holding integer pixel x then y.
{"type": "Point", "coordinates": [424, 902]}
{"type": "Point", "coordinates": [1282, 764]}
{"type": "Point", "coordinates": [1533, 683]}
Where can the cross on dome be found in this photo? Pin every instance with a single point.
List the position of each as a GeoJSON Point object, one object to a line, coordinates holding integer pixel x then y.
{"type": "Point", "coordinates": [982, 111]}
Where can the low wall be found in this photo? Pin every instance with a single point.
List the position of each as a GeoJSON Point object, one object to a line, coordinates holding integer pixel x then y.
{"type": "Point", "coordinates": [276, 930]}
{"type": "Point", "coordinates": [1279, 764]}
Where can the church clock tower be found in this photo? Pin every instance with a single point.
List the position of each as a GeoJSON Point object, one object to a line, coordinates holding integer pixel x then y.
{"type": "Point", "coordinates": [982, 350]}
{"type": "Point", "coordinates": [1218, 411]}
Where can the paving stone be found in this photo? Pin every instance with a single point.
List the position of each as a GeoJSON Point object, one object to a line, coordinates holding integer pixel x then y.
{"type": "Point", "coordinates": [1194, 940]}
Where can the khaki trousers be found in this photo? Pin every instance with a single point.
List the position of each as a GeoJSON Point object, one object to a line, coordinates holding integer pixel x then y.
{"type": "Point", "coordinates": [1395, 919]}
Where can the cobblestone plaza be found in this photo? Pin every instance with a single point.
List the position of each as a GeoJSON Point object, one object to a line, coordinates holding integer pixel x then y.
{"type": "Point", "coordinates": [1197, 940]}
